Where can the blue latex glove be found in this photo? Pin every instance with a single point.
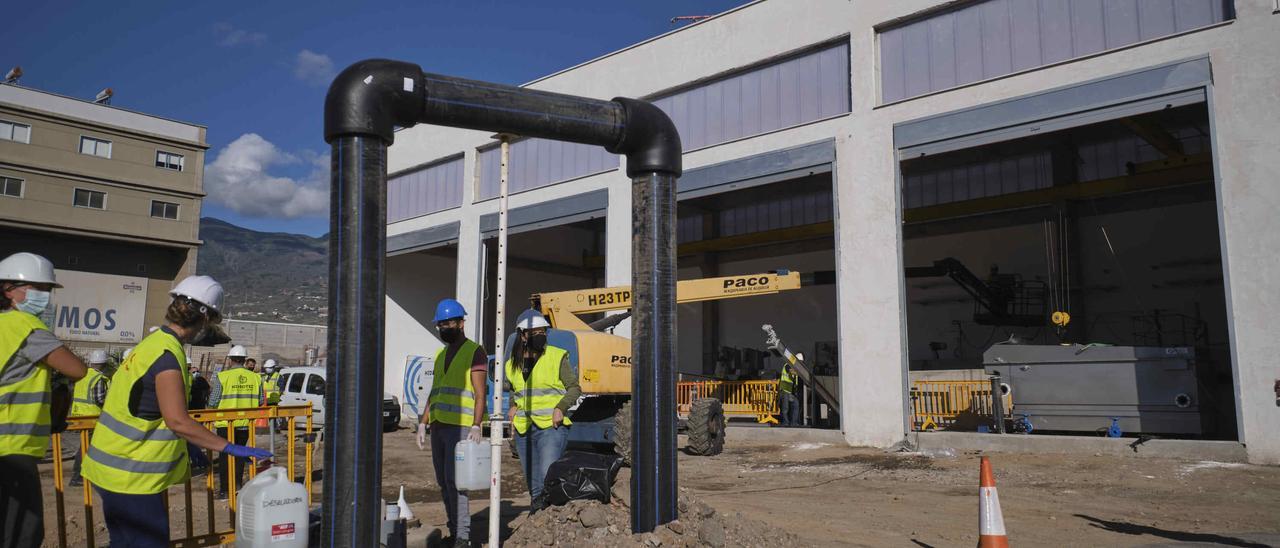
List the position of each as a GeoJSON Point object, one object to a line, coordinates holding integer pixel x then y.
{"type": "Point", "coordinates": [244, 451]}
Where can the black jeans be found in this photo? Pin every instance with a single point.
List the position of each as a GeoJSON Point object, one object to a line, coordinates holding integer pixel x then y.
{"type": "Point", "coordinates": [241, 437]}
{"type": "Point", "coordinates": [21, 502]}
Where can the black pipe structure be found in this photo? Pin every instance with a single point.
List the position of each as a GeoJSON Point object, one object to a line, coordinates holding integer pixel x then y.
{"type": "Point", "coordinates": [365, 103]}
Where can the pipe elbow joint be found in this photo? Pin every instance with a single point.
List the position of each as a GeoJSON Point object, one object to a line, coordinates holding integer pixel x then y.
{"type": "Point", "coordinates": [372, 97]}
{"type": "Point", "coordinates": [649, 139]}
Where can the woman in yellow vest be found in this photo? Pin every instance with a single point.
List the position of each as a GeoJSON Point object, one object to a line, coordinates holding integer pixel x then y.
{"type": "Point", "coordinates": [29, 354]}
{"type": "Point", "coordinates": [139, 447]}
{"type": "Point", "coordinates": [87, 397]}
{"type": "Point", "coordinates": [543, 387]}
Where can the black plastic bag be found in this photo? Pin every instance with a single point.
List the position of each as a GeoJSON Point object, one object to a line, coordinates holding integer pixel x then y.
{"type": "Point", "coordinates": [580, 475]}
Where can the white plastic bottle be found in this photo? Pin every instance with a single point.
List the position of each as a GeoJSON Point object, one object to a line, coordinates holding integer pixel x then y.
{"type": "Point", "coordinates": [272, 511]}
{"type": "Point", "coordinates": [472, 462]}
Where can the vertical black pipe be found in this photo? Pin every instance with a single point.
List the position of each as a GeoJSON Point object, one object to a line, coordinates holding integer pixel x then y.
{"type": "Point", "coordinates": [353, 395]}
{"type": "Point", "coordinates": [653, 351]}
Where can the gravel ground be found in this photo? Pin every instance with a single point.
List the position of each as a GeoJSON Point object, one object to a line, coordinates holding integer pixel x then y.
{"type": "Point", "coordinates": [832, 495]}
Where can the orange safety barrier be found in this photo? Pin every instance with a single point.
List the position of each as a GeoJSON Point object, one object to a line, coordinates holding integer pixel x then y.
{"type": "Point", "coordinates": [83, 426]}
{"type": "Point", "coordinates": [755, 399]}
{"type": "Point", "coordinates": [938, 404]}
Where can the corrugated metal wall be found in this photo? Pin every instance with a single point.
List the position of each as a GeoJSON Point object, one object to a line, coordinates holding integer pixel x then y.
{"type": "Point", "coordinates": [793, 92]}
{"type": "Point", "coordinates": [796, 91]}
{"type": "Point", "coordinates": [785, 211]}
{"type": "Point", "coordinates": [998, 37]}
{"type": "Point", "coordinates": [540, 162]}
{"type": "Point", "coordinates": [424, 191]}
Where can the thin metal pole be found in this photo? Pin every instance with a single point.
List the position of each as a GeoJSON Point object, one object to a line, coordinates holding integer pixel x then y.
{"type": "Point", "coordinates": [499, 365]}
{"type": "Point", "coordinates": [653, 351]}
{"type": "Point", "coordinates": [357, 304]}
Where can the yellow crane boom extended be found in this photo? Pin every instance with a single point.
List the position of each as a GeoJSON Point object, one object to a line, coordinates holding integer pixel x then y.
{"type": "Point", "coordinates": [562, 307]}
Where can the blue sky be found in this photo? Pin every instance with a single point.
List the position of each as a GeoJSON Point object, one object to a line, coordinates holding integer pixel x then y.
{"type": "Point", "coordinates": [255, 73]}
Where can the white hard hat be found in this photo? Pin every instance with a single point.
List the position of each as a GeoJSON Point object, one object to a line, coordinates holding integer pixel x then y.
{"type": "Point", "coordinates": [98, 356]}
{"type": "Point", "coordinates": [269, 364]}
{"type": "Point", "coordinates": [27, 267]}
{"type": "Point", "coordinates": [126, 353]}
{"type": "Point", "coordinates": [202, 289]}
{"type": "Point", "coordinates": [237, 351]}
{"type": "Point", "coordinates": [531, 319]}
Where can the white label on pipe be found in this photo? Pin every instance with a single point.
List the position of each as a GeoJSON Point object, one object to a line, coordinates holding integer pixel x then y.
{"type": "Point", "coordinates": [408, 85]}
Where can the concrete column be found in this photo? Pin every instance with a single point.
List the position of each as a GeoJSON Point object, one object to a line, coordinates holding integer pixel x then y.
{"type": "Point", "coordinates": [617, 260]}
{"type": "Point", "coordinates": [868, 269]}
{"type": "Point", "coordinates": [470, 290]}
{"type": "Point", "coordinates": [1243, 119]}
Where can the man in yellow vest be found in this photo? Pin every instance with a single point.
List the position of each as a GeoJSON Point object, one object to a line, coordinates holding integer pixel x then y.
{"type": "Point", "coordinates": [86, 400]}
{"type": "Point", "coordinates": [271, 380]}
{"type": "Point", "coordinates": [29, 355]}
{"type": "Point", "coordinates": [455, 408]}
{"type": "Point", "coordinates": [235, 387]}
{"type": "Point", "coordinates": [543, 388]}
{"type": "Point", "coordinates": [788, 404]}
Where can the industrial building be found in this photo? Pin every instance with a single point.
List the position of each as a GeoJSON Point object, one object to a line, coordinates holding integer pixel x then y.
{"type": "Point", "coordinates": [1082, 173]}
{"type": "Point", "coordinates": [111, 197]}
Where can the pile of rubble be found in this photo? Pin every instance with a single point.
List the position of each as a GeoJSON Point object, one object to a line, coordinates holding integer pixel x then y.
{"type": "Point", "coordinates": [589, 523]}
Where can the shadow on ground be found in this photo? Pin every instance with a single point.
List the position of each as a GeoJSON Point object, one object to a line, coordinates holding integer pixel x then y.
{"type": "Point", "coordinates": [1180, 536]}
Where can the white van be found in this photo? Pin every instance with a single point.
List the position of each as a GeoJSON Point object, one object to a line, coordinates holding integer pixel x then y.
{"type": "Point", "coordinates": [303, 385]}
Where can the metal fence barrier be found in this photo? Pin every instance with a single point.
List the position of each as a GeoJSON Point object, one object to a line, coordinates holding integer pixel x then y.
{"type": "Point", "coordinates": [754, 399]}
{"type": "Point", "coordinates": [939, 404]}
{"type": "Point", "coordinates": [83, 427]}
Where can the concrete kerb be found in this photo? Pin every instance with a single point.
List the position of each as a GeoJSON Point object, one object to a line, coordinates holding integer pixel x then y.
{"type": "Point", "coordinates": [758, 433]}
{"type": "Point", "coordinates": [1220, 451]}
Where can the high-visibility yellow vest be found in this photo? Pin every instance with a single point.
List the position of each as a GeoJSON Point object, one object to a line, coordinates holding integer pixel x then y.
{"type": "Point", "coordinates": [81, 404]}
{"type": "Point", "coordinates": [538, 396]}
{"type": "Point", "coordinates": [453, 399]}
{"type": "Point", "coordinates": [272, 383]}
{"type": "Point", "coordinates": [130, 454]}
{"type": "Point", "coordinates": [24, 393]}
{"type": "Point", "coordinates": [241, 388]}
{"type": "Point", "coordinates": [787, 384]}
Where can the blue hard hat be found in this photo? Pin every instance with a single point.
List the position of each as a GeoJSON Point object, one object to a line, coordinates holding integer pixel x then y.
{"type": "Point", "coordinates": [449, 309]}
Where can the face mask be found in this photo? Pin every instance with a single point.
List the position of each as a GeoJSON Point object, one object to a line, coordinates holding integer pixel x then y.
{"type": "Point", "coordinates": [538, 342]}
{"type": "Point", "coordinates": [450, 335]}
{"type": "Point", "coordinates": [36, 302]}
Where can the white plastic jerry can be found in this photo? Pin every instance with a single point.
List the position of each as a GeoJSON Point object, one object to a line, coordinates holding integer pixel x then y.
{"type": "Point", "coordinates": [472, 462]}
{"type": "Point", "coordinates": [272, 511]}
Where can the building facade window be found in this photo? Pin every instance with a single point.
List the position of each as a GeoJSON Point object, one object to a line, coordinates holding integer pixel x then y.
{"type": "Point", "coordinates": [992, 38]}
{"type": "Point", "coordinates": [169, 160]}
{"type": "Point", "coordinates": [13, 131]}
{"type": "Point", "coordinates": [90, 198]}
{"type": "Point", "coordinates": [95, 147]}
{"type": "Point", "coordinates": [11, 187]}
{"type": "Point", "coordinates": [164, 210]}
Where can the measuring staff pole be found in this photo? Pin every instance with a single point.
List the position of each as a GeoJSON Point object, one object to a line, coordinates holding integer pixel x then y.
{"type": "Point", "coordinates": [496, 415]}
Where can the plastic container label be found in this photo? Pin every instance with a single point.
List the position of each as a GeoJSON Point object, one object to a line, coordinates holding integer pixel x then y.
{"type": "Point", "coordinates": [283, 531]}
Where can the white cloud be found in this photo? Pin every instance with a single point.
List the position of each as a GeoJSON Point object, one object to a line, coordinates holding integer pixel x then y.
{"type": "Point", "coordinates": [239, 179]}
{"type": "Point", "coordinates": [313, 68]}
{"type": "Point", "coordinates": [229, 36]}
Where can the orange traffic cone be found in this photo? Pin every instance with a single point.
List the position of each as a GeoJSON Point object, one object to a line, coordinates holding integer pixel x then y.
{"type": "Point", "coordinates": [990, 519]}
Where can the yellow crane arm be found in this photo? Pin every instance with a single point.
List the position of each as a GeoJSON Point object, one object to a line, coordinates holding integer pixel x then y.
{"type": "Point", "coordinates": [562, 307]}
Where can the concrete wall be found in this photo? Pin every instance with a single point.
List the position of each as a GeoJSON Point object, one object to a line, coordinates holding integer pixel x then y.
{"type": "Point", "coordinates": [870, 312]}
{"type": "Point", "coordinates": [415, 283]}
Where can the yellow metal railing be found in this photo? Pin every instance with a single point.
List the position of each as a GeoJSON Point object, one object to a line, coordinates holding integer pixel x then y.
{"type": "Point", "coordinates": [83, 426]}
{"type": "Point", "coordinates": [938, 404]}
{"type": "Point", "coordinates": [755, 399]}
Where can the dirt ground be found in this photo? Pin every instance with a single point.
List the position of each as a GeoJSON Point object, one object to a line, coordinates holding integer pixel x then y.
{"type": "Point", "coordinates": [832, 495]}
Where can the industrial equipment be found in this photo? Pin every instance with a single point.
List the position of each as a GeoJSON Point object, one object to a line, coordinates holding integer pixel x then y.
{"type": "Point", "coordinates": [801, 368]}
{"type": "Point", "coordinates": [603, 360]}
{"type": "Point", "coordinates": [1001, 299]}
{"type": "Point", "coordinates": [1081, 388]}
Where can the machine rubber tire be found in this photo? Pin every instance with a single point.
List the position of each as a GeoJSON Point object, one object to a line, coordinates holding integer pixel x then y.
{"type": "Point", "coordinates": [622, 433]}
{"type": "Point", "coordinates": [706, 427]}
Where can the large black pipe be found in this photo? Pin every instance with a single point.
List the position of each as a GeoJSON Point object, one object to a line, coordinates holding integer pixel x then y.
{"type": "Point", "coordinates": [353, 393]}
{"type": "Point", "coordinates": [653, 351]}
{"type": "Point", "coordinates": [364, 105]}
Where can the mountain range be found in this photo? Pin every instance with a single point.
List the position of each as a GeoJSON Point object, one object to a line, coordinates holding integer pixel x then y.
{"type": "Point", "coordinates": [268, 276]}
